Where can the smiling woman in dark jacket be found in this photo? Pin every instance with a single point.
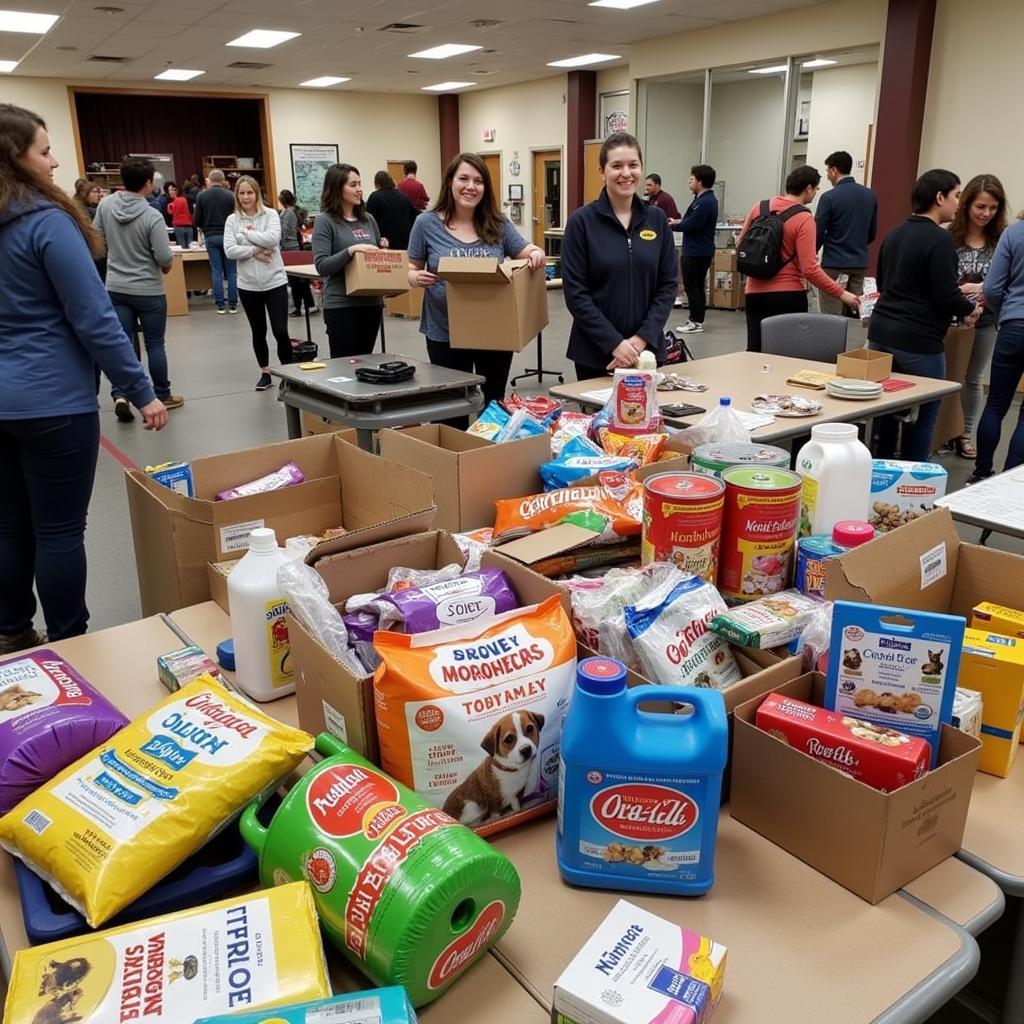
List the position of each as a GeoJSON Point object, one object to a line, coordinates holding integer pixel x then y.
{"type": "Point", "coordinates": [619, 270]}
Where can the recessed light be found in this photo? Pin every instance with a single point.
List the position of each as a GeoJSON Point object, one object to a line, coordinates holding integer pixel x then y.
{"type": "Point", "coordinates": [620, 5]}
{"type": "Point", "coordinates": [7, 66]}
{"type": "Point", "coordinates": [323, 82]}
{"type": "Point", "coordinates": [178, 75]}
{"type": "Point", "coordinates": [818, 62]}
{"type": "Point", "coordinates": [773, 70]}
{"type": "Point", "coordinates": [262, 38]}
{"type": "Point", "coordinates": [26, 21]}
{"type": "Point", "coordinates": [583, 58]}
{"type": "Point", "coordinates": [446, 86]}
{"type": "Point", "coordinates": [445, 50]}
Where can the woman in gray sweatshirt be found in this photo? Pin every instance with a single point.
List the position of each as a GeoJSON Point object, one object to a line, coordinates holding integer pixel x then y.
{"type": "Point", "coordinates": [343, 228]}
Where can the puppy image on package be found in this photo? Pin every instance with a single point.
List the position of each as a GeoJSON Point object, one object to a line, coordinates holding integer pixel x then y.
{"type": "Point", "coordinates": [506, 777]}
{"type": "Point", "coordinates": [933, 667]}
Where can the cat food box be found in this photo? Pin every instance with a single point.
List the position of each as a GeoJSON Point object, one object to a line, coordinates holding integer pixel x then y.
{"type": "Point", "coordinates": [873, 754]}
{"type": "Point", "coordinates": [895, 667]}
{"type": "Point", "coordinates": [903, 491]}
{"type": "Point", "coordinates": [638, 968]}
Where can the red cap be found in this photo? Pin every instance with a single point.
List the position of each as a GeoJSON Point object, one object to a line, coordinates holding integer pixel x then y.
{"type": "Point", "coordinates": [851, 533]}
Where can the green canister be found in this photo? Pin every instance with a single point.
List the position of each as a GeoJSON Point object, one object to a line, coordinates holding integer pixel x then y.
{"type": "Point", "coordinates": [410, 896]}
{"type": "Point", "coordinates": [714, 459]}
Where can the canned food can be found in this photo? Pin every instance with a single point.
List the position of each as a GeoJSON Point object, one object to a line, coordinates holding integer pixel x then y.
{"type": "Point", "coordinates": [759, 526]}
{"type": "Point", "coordinates": [683, 521]}
{"type": "Point", "coordinates": [714, 459]}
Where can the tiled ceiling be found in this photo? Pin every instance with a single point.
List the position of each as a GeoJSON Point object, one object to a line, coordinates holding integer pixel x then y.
{"type": "Point", "coordinates": [346, 37]}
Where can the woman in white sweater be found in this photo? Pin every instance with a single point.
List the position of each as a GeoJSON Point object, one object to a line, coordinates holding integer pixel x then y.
{"type": "Point", "coordinates": [252, 237]}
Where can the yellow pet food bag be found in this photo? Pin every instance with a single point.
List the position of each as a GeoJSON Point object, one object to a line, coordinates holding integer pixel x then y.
{"type": "Point", "coordinates": [246, 953]}
{"type": "Point", "coordinates": [119, 819]}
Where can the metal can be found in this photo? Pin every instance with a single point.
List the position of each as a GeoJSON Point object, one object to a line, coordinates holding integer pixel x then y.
{"type": "Point", "coordinates": [714, 459]}
{"type": "Point", "coordinates": [762, 513]}
{"type": "Point", "coordinates": [683, 521]}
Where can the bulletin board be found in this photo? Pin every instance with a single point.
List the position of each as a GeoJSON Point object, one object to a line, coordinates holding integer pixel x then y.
{"type": "Point", "coordinates": [309, 165]}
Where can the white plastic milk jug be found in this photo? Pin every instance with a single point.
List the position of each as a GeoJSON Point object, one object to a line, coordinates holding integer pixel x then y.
{"type": "Point", "coordinates": [263, 662]}
{"type": "Point", "coordinates": [836, 468]}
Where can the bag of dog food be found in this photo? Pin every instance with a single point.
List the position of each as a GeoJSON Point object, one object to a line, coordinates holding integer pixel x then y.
{"type": "Point", "coordinates": [259, 950]}
{"type": "Point", "coordinates": [466, 598]}
{"type": "Point", "coordinates": [49, 717]}
{"type": "Point", "coordinates": [645, 448]}
{"type": "Point", "coordinates": [120, 818]}
{"type": "Point", "coordinates": [470, 717]}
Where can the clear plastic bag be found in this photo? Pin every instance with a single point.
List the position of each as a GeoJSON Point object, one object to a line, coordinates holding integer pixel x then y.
{"type": "Point", "coordinates": [814, 640]}
{"type": "Point", "coordinates": [720, 425]}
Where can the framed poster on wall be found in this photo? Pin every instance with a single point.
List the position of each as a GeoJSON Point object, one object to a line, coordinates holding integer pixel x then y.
{"type": "Point", "coordinates": [613, 113]}
{"type": "Point", "coordinates": [309, 165]}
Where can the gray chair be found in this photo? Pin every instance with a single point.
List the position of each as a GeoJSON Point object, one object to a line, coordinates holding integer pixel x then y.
{"type": "Point", "coordinates": [817, 336]}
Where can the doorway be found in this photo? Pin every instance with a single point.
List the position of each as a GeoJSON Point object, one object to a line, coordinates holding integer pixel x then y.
{"type": "Point", "coordinates": [396, 168]}
{"type": "Point", "coordinates": [547, 193]}
{"type": "Point", "coordinates": [493, 162]}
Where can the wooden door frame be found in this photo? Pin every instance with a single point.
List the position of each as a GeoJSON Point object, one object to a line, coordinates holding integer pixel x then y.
{"type": "Point", "coordinates": [483, 154]}
{"type": "Point", "coordinates": [262, 98]}
{"type": "Point", "coordinates": [536, 151]}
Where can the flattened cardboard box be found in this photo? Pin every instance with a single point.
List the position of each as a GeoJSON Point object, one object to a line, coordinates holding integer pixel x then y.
{"type": "Point", "coordinates": [492, 305]}
{"type": "Point", "coordinates": [871, 843]}
{"type": "Point", "coordinates": [378, 272]}
{"type": "Point", "coordinates": [175, 537]}
{"type": "Point", "coordinates": [470, 473]}
{"type": "Point", "coordinates": [329, 696]}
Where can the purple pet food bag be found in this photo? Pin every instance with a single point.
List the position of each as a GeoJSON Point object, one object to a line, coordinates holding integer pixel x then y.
{"type": "Point", "coordinates": [361, 626]}
{"type": "Point", "coordinates": [288, 475]}
{"type": "Point", "coordinates": [49, 717]}
{"type": "Point", "coordinates": [453, 602]}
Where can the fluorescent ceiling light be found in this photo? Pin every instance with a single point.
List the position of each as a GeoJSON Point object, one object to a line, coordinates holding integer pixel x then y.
{"type": "Point", "coordinates": [773, 70]}
{"type": "Point", "coordinates": [446, 86]}
{"type": "Point", "coordinates": [7, 66]}
{"type": "Point", "coordinates": [323, 82]}
{"type": "Point", "coordinates": [583, 58]}
{"type": "Point", "coordinates": [448, 50]}
{"type": "Point", "coordinates": [818, 62]}
{"type": "Point", "coordinates": [620, 5]}
{"type": "Point", "coordinates": [178, 75]}
{"type": "Point", "coordinates": [26, 21]}
{"type": "Point", "coordinates": [262, 39]}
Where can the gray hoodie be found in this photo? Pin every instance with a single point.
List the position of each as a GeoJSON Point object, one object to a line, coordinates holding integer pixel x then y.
{"type": "Point", "coordinates": [137, 245]}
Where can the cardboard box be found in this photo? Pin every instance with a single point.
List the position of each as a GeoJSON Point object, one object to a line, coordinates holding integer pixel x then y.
{"type": "Point", "coordinates": [470, 473]}
{"type": "Point", "coordinates": [997, 618]}
{"type": "Point", "coordinates": [329, 696]}
{"type": "Point", "coordinates": [725, 260]}
{"type": "Point", "coordinates": [871, 843]}
{"type": "Point", "coordinates": [726, 287]}
{"type": "Point", "coordinates": [313, 424]}
{"type": "Point", "coordinates": [175, 537]}
{"type": "Point", "coordinates": [377, 272]}
{"type": "Point", "coordinates": [864, 364]}
{"type": "Point", "coordinates": [949, 424]}
{"type": "Point", "coordinates": [492, 305]}
{"type": "Point", "coordinates": [993, 665]}
{"type": "Point", "coordinates": [408, 304]}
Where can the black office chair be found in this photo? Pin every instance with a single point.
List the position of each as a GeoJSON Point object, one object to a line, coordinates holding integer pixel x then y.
{"type": "Point", "coordinates": [817, 336]}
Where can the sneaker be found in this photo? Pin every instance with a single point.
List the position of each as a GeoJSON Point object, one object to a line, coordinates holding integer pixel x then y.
{"type": "Point", "coordinates": [173, 402]}
{"type": "Point", "coordinates": [232, 309]}
{"type": "Point", "coordinates": [21, 641]}
{"type": "Point", "coordinates": [295, 312]}
{"type": "Point", "coordinates": [123, 411]}
{"type": "Point", "coordinates": [678, 304]}
{"type": "Point", "coordinates": [221, 310]}
{"type": "Point", "coordinates": [264, 383]}
{"type": "Point", "coordinates": [976, 478]}
{"type": "Point", "coordinates": [690, 328]}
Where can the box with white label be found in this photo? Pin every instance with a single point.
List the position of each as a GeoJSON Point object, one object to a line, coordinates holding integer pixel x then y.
{"type": "Point", "coordinates": [903, 491]}
{"type": "Point", "coordinates": [638, 968]}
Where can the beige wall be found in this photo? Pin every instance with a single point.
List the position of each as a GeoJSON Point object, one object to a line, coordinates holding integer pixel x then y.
{"type": "Point", "coordinates": [369, 128]}
{"type": "Point", "coordinates": [842, 107]}
{"type": "Point", "coordinates": [613, 79]}
{"type": "Point", "coordinates": [524, 117]}
{"type": "Point", "coordinates": [972, 122]}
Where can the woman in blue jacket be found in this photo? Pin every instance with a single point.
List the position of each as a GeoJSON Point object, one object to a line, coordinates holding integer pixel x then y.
{"type": "Point", "coordinates": [619, 270]}
{"type": "Point", "coordinates": [55, 321]}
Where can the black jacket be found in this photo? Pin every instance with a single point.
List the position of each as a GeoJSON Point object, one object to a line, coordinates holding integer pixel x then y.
{"type": "Point", "coordinates": [213, 207]}
{"type": "Point", "coordinates": [394, 215]}
{"type": "Point", "coordinates": [847, 221]}
{"type": "Point", "coordinates": [617, 283]}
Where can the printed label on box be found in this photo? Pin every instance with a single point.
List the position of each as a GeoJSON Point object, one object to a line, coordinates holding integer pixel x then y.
{"type": "Point", "coordinates": [933, 565]}
{"type": "Point", "coordinates": [334, 722]}
{"type": "Point", "coordinates": [236, 536]}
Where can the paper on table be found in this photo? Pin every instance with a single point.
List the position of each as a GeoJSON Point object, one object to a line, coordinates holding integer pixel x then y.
{"type": "Point", "coordinates": [601, 395]}
{"type": "Point", "coordinates": [998, 501]}
{"type": "Point", "coordinates": [753, 420]}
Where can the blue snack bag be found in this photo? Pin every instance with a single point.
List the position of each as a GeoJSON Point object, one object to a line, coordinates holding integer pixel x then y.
{"type": "Point", "coordinates": [579, 459]}
{"type": "Point", "coordinates": [490, 422]}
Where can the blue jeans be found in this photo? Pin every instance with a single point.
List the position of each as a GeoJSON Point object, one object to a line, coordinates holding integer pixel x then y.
{"type": "Point", "coordinates": [1007, 367]}
{"type": "Point", "coordinates": [916, 444]}
{"type": "Point", "coordinates": [47, 466]}
{"type": "Point", "coordinates": [221, 267]}
{"type": "Point", "coordinates": [183, 236]}
{"type": "Point", "coordinates": [151, 311]}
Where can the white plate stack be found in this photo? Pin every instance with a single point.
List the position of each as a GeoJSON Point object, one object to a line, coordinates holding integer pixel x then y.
{"type": "Point", "coordinates": [853, 390]}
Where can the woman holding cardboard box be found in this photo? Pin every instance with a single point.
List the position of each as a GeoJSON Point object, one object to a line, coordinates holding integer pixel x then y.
{"type": "Point", "coordinates": [465, 222]}
{"type": "Point", "coordinates": [342, 229]}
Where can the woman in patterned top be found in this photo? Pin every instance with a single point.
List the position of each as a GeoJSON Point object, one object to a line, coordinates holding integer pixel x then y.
{"type": "Point", "coordinates": [980, 220]}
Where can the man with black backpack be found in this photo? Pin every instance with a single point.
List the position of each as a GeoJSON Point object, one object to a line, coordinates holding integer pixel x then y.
{"type": "Point", "coordinates": [777, 251]}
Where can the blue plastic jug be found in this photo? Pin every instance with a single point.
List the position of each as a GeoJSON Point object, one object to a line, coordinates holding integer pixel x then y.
{"type": "Point", "coordinates": [639, 791]}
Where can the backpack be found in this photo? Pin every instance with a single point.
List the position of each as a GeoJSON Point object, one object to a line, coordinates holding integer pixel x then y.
{"type": "Point", "coordinates": [759, 251]}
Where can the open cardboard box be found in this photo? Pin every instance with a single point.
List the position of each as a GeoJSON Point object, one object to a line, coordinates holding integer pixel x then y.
{"type": "Point", "coordinates": [470, 473]}
{"type": "Point", "coordinates": [329, 696]}
{"type": "Point", "coordinates": [377, 272]}
{"type": "Point", "coordinates": [313, 424]}
{"type": "Point", "coordinates": [871, 843]}
{"type": "Point", "coordinates": [408, 304]}
{"type": "Point", "coordinates": [494, 305]}
{"type": "Point", "coordinates": [175, 537]}
{"type": "Point", "coordinates": [864, 364]}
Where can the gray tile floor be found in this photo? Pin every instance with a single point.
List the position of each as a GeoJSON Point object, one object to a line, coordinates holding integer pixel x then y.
{"type": "Point", "coordinates": [212, 366]}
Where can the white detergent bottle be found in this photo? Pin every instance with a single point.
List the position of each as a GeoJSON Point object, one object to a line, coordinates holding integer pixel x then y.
{"type": "Point", "coordinates": [836, 468]}
{"type": "Point", "coordinates": [263, 662]}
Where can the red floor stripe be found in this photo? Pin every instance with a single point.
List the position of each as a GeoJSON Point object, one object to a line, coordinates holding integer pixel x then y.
{"type": "Point", "coordinates": [118, 454]}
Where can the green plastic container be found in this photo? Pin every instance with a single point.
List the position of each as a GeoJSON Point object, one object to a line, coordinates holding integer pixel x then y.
{"type": "Point", "coordinates": [410, 896]}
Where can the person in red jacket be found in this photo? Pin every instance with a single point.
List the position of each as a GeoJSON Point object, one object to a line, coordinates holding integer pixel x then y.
{"type": "Point", "coordinates": [786, 292]}
{"type": "Point", "coordinates": [412, 188]}
{"type": "Point", "coordinates": [181, 220]}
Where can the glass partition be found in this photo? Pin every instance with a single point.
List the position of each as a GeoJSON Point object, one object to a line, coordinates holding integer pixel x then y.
{"type": "Point", "coordinates": [673, 115]}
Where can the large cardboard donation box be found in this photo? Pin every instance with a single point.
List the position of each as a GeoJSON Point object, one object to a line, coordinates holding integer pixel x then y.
{"type": "Point", "coordinates": [470, 473]}
{"type": "Point", "coordinates": [493, 305]}
{"type": "Point", "coordinates": [377, 272]}
{"type": "Point", "coordinates": [344, 487]}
